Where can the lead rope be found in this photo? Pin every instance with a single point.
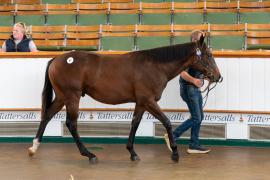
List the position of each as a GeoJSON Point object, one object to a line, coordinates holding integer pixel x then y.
{"type": "Point", "coordinates": [205, 98]}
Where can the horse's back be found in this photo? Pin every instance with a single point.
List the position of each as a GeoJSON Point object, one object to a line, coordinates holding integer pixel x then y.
{"type": "Point", "coordinates": [79, 56]}
{"type": "Point", "coordinates": [68, 70]}
{"type": "Point", "coordinates": [111, 79]}
{"type": "Point", "coordinates": [102, 77]}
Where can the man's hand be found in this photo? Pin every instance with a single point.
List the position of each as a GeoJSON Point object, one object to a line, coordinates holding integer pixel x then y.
{"type": "Point", "coordinates": [197, 82]}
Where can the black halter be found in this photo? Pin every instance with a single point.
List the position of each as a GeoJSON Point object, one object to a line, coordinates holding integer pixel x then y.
{"type": "Point", "coordinates": [206, 67]}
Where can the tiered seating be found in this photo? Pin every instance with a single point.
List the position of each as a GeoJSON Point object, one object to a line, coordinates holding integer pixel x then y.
{"type": "Point", "coordinates": [150, 1]}
{"type": "Point", "coordinates": [227, 36]}
{"type": "Point", "coordinates": [118, 1]}
{"type": "Point", "coordinates": [60, 14]}
{"type": "Point", "coordinates": [82, 37]}
{"type": "Point", "coordinates": [87, 1]}
{"type": "Point", "coordinates": [155, 13]}
{"type": "Point", "coordinates": [4, 2]}
{"type": "Point", "coordinates": [118, 13]}
{"type": "Point", "coordinates": [221, 12]}
{"type": "Point", "coordinates": [22, 1]}
{"type": "Point", "coordinates": [5, 33]}
{"type": "Point", "coordinates": [30, 14]}
{"type": "Point", "coordinates": [182, 32]}
{"type": "Point", "coordinates": [254, 12]}
{"type": "Point", "coordinates": [257, 36]}
{"type": "Point", "coordinates": [48, 37]}
{"type": "Point", "coordinates": [7, 15]}
{"type": "Point", "coordinates": [92, 14]}
{"type": "Point", "coordinates": [101, 1]}
{"type": "Point", "coordinates": [123, 13]}
{"type": "Point", "coordinates": [130, 37]}
{"type": "Point", "coordinates": [55, 1]}
{"type": "Point", "coordinates": [118, 37]}
{"type": "Point", "coordinates": [188, 13]}
{"type": "Point", "coordinates": [151, 36]}
{"type": "Point", "coordinates": [138, 24]}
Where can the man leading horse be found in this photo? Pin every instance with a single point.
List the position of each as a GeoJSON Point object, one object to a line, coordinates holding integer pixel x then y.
{"type": "Point", "coordinates": [139, 77]}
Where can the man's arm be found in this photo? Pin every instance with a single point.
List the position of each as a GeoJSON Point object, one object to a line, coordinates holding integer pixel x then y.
{"type": "Point", "coordinates": [3, 47]}
{"type": "Point", "coordinates": [197, 82]}
{"type": "Point", "coordinates": [32, 46]}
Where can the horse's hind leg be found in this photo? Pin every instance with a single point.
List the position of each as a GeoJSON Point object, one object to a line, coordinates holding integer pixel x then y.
{"type": "Point", "coordinates": [55, 107]}
{"type": "Point", "coordinates": [154, 109]}
{"type": "Point", "coordinates": [71, 123]}
{"type": "Point", "coordinates": [137, 116]}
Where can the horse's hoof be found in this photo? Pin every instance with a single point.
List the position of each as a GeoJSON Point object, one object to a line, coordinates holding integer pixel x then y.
{"type": "Point", "coordinates": [30, 152]}
{"type": "Point", "coordinates": [135, 158]}
{"type": "Point", "coordinates": [93, 160]}
{"type": "Point", "coordinates": [175, 158]}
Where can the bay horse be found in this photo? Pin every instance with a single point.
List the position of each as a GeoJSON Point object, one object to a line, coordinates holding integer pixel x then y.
{"type": "Point", "coordinates": [138, 76]}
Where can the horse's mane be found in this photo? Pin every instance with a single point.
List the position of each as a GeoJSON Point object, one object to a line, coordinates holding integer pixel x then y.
{"type": "Point", "coordinates": [168, 53]}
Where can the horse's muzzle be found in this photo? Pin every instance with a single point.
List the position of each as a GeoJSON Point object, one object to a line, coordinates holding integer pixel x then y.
{"type": "Point", "coordinates": [220, 79]}
{"type": "Point", "coordinates": [217, 79]}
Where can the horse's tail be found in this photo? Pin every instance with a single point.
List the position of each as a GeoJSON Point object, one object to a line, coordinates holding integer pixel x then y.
{"type": "Point", "coordinates": [47, 93]}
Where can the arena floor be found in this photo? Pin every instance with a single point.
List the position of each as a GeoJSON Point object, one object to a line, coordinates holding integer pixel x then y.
{"type": "Point", "coordinates": [63, 162]}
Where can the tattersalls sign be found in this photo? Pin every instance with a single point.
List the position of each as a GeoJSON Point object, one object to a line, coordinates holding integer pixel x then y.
{"type": "Point", "coordinates": [257, 119]}
{"type": "Point", "coordinates": [34, 116]}
{"type": "Point", "coordinates": [127, 116]}
{"type": "Point", "coordinates": [237, 126]}
{"type": "Point", "coordinates": [18, 116]}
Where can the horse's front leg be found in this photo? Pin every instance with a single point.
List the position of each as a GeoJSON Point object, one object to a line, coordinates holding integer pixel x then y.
{"type": "Point", "coordinates": [154, 109]}
{"type": "Point", "coordinates": [137, 116]}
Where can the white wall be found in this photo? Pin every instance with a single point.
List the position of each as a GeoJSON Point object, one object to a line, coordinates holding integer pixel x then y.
{"type": "Point", "coordinates": [246, 87]}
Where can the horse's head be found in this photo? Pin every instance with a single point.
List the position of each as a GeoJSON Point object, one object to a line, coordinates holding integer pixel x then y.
{"type": "Point", "coordinates": [205, 62]}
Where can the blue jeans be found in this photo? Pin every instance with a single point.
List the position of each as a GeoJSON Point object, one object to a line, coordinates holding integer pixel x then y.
{"type": "Point", "coordinates": [193, 97]}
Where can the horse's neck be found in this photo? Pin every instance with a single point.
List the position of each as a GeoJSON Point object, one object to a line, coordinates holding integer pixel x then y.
{"type": "Point", "coordinates": [173, 69]}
